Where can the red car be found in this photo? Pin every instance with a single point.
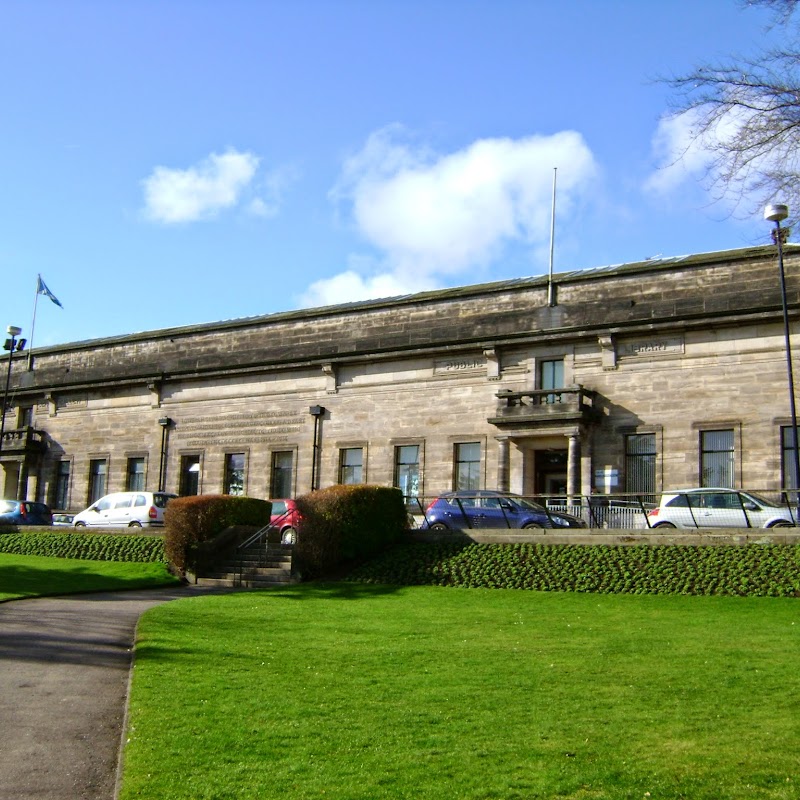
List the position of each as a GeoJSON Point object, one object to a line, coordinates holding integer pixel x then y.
{"type": "Point", "coordinates": [286, 518]}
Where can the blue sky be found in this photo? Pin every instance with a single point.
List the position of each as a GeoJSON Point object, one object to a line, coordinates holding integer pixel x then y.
{"type": "Point", "coordinates": [170, 163]}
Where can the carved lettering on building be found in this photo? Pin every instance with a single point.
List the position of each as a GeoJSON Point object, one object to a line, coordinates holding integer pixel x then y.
{"type": "Point", "coordinates": [456, 365]}
{"type": "Point", "coordinates": [652, 347]}
{"type": "Point", "coordinates": [73, 402]}
{"type": "Point", "coordinates": [232, 430]}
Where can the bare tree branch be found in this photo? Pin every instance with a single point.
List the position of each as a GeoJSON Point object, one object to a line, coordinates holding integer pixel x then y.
{"type": "Point", "coordinates": [743, 116]}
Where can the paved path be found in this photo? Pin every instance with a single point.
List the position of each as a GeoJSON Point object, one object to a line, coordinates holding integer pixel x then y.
{"type": "Point", "coordinates": [64, 666]}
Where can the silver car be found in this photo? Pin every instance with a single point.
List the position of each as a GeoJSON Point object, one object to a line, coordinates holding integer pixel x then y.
{"type": "Point", "coordinates": [718, 508]}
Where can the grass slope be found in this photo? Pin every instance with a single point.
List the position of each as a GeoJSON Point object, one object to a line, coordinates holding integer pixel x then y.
{"type": "Point", "coordinates": [353, 691]}
{"type": "Point", "coordinates": [37, 576]}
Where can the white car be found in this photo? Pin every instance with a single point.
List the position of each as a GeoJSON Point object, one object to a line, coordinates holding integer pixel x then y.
{"type": "Point", "coordinates": [718, 508]}
{"type": "Point", "coordinates": [125, 509]}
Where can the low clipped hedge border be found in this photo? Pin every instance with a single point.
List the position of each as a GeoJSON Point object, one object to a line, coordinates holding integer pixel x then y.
{"type": "Point", "coordinates": [748, 570]}
{"type": "Point", "coordinates": [87, 546]}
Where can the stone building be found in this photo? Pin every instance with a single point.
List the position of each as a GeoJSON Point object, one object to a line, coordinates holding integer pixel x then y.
{"type": "Point", "coordinates": [666, 373]}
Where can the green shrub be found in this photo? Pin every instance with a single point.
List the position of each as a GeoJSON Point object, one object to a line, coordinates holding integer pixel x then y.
{"type": "Point", "coordinates": [748, 570]}
{"type": "Point", "coordinates": [345, 523]}
{"type": "Point", "coordinates": [191, 521]}
{"type": "Point", "coordinates": [88, 546]}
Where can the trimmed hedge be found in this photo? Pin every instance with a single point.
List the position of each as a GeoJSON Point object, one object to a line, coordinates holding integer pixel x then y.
{"type": "Point", "coordinates": [344, 523]}
{"type": "Point", "coordinates": [88, 546]}
{"type": "Point", "coordinates": [748, 570]}
{"type": "Point", "coordinates": [192, 522]}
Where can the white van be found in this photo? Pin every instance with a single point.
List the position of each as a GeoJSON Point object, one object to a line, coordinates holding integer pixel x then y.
{"type": "Point", "coordinates": [131, 509]}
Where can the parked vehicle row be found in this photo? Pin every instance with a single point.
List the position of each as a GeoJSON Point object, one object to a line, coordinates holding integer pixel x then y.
{"type": "Point", "coordinates": [485, 508]}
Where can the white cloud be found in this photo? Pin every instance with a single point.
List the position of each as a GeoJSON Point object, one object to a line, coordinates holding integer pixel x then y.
{"type": "Point", "coordinates": [273, 189]}
{"type": "Point", "coordinates": [432, 216]}
{"type": "Point", "coordinates": [199, 192]}
{"type": "Point", "coordinates": [678, 153]}
{"type": "Point", "coordinates": [350, 287]}
{"type": "Point", "coordinates": [686, 151]}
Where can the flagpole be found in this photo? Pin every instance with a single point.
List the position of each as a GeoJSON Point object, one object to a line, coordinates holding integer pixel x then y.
{"type": "Point", "coordinates": [33, 324]}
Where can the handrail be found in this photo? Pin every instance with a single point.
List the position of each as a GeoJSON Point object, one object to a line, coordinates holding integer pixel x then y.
{"type": "Point", "coordinates": [253, 539]}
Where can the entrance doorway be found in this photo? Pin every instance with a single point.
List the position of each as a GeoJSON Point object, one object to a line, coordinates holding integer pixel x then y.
{"type": "Point", "coordinates": [550, 472]}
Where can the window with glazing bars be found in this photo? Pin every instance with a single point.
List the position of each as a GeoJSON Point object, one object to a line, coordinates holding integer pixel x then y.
{"type": "Point", "coordinates": [717, 459]}
{"type": "Point", "coordinates": [467, 466]}
{"type": "Point", "coordinates": [640, 463]}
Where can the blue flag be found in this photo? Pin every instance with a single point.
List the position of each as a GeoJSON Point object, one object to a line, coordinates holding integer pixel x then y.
{"type": "Point", "coordinates": [41, 288]}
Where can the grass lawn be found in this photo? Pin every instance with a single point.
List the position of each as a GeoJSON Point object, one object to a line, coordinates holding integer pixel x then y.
{"type": "Point", "coordinates": [36, 576]}
{"type": "Point", "coordinates": [354, 691]}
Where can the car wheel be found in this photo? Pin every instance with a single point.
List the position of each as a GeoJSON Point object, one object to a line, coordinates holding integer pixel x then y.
{"type": "Point", "coordinates": [781, 524]}
{"type": "Point", "coordinates": [134, 524]}
{"type": "Point", "coordinates": [80, 524]}
{"type": "Point", "coordinates": [289, 536]}
{"type": "Point", "coordinates": [530, 525]}
{"type": "Point", "coordinates": [439, 526]}
{"type": "Point", "coordinates": [664, 525]}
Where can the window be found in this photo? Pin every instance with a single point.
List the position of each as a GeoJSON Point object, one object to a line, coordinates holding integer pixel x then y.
{"type": "Point", "coordinates": [190, 475]}
{"type": "Point", "coordinates": [234, 473]}
{"type": "Point", "coordinates": [467, 466]}
{"type": "Point", "coordinates": [26, 417]}
{"type": "Point", "coordinates": [62, 485]}
{"type": "Point", "coordinates": [551, 376]}
{"type": "Point", "coordinates": [351, 465]}
{"type": "Point", "coordinates": [406, 469]}
{"type": "Point", "coordinates": [135, 482]}
{"type": "Point", "coordinates": [98, 469]}
{"type": "Point", "coordinates": [716, 459]}
{"type": "Point", "coordinates": [280, 484]}
{"type": "Point", "coordinates": [640, 463]}
{"type": "Point", "coordinates": [788, 477]}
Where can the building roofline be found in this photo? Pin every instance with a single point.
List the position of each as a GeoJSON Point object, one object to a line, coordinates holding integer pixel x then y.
{"type": "Point", "coordinates": [654, 264]}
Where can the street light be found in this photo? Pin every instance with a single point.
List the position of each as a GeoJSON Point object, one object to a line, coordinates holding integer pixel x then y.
{"type": "Point", "coordinates": [11, 344]}
{"type": "Point", "coordinates": [777, 213]}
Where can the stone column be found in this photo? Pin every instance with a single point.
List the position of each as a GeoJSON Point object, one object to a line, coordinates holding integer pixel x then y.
{"type": "Point", "coordinates": [586, 464]}
{"type": "Point", "coordinates": [573, 456]}
{"type": "Point", "coordinates": [503, 465]}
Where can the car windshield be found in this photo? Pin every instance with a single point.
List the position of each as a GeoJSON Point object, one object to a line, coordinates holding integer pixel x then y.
{"type": "Point", "coordinates": [6, 506]}
{"type": "Point", "coordinates": [529, 504]}
{"type": "Point", "coordinates": [761, 500]}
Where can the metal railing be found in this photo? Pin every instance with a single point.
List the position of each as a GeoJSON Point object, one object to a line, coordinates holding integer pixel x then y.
{"type": "Point", "coordinates": [696, 509]}
{"type": "Point", "coordinates": [260, 537]}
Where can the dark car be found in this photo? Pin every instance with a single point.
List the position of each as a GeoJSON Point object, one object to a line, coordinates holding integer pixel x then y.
{"type": "Point", "coordinates": [24, 512]}
{"type": "Point", "coordinates": [490, 509]}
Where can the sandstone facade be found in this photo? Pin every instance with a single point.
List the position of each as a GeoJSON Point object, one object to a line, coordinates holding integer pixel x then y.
{"type": "Point", "coordinates": [460, 380]}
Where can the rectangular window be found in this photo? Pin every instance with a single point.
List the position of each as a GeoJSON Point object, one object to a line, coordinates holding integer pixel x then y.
{"type": "Point", "coordinates": [234, 473]}
{"type": "Point", "coordinates": [640, 463]}
{"type": "Point", "coordinates": [351, 465]}
{"type": "Point", "coordinates": [98, 469]}
{"type": "Point", "coordinates": [135, 481]}
{"type": "Point", "coordinates": [190, 475]}
{"type": "Point", "coordinates": [406, 469]}
{"type": "Point", "coordinates": [62, 485]}
{"type": "Point", "coordinates": [788, 476]}
{"type": "Point", "coordinates": [467, 466]}
{"type": "Point", "coordinates": [26, 417]}
{"type": "Point", "coordinates": [717, 459]}
{"type": "Point", "coordinates": [280, 484]}
{"type": "Point", "coordinates": [551, 376]}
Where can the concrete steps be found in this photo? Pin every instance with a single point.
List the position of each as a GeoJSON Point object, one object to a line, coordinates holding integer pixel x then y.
{"type": "Point", "coordinates": [259, 567]}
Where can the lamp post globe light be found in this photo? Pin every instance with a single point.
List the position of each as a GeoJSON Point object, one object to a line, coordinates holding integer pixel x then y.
{"type": "Point", "coordinates": [11, 344]}
{"type": "Point", "coordinates": [777, 213]}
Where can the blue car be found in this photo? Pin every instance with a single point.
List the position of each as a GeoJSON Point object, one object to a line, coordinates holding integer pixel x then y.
{"type": "Point", "coordinates": [24, 512]}
{"type": "Point", "coordinates": [490, 509]}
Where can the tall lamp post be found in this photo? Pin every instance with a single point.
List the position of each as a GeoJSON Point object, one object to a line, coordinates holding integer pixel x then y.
{"type": "Point", "coordinates": [11, 344]}
{"type": "Point", "coordinates": [777, 213]}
